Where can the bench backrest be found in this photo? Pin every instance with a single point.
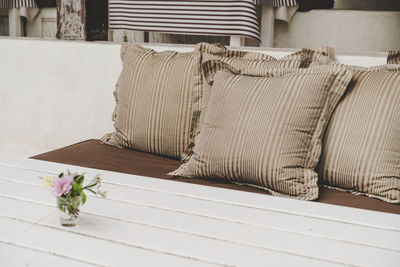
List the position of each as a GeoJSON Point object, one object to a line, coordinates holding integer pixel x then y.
{"type": "Point", "coordinates": [55, 93]}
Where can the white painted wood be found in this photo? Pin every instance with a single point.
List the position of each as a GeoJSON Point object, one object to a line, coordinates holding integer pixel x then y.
{"type": "Point", "coordinates": [184, 222]}
{"type": "Point", "coordinates": [172, 242]}
{"type": "Point", "coordinates": [267, 26]}
{"type": "Point", "coordinates": [19, 255]}
{"type": "Point", "coordinates": [126, 36]}
{"type": "Point", "coordinates": [65, 242]}
{"type": "Point", "coordinates": [222, 215]}
{"type": "Point", "coordinates": [44, 25]}
{"type": "Point", "coordinates": [206, 228]}
{"type": "Point", "coordinates": [303, 208]}
{"type": "Point", "coordinates": [49, 28]}
{"type": "Point", "coordinates": [15, 23]}
{"type": "Point", "coordinates": [236, 41]}
{"type": "Point", "coordinates": [139, 37]}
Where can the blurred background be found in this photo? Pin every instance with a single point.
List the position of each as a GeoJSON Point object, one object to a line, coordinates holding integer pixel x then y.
{"type": "Point", "coordinates": [354, 25]}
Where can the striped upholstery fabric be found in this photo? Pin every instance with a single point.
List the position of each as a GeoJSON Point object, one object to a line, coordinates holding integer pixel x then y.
{"type": "Point", "coordinates": [266, 131]}
{"type": "Point", "coordinates": [6, 4]}
{"type": "Point", "coordinates": [361, 148]}
{"type": "Point", "coordinates": [154, 101]}
{"type": "Point", "coordinates": [233, 17]}
{"type": "Point", "coordinates": [393, 57]}
{"type": "Point", "coordinates": [215, 57]}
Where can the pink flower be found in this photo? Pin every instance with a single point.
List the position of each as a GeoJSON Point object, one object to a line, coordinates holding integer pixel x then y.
{"type": "Point", "coordinates": [62, 185]}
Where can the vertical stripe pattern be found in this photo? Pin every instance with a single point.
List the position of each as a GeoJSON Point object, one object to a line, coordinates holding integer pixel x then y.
{"type": "Point", "coordinates": [7, 4]}
{"type": "Point", "coordinates": [154, 101]}
{"type": "Point", "coordinates": [215, 57]}
{"type": "Point", "coordinates": [225, 17]}
{"type": "Point", "coordinates": [266, 131]}
{"type": "Point", "coordinates": [361, 148]}
{"type": "Point", "coordinates": [393, 57]}
{"type": "Point", "coordinates": [277, 3]}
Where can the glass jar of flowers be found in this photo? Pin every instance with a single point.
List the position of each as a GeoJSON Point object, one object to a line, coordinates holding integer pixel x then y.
{"type": "Point", "coordinates": [69, 191]}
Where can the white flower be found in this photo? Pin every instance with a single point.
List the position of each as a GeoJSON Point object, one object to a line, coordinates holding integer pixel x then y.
{"type": "Point", "coordinates": [47, 181]}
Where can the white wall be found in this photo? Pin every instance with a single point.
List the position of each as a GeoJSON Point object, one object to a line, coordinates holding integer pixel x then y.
{"type": "Point", "coordinates": [388, 5]}
{"type": "Point", "coordinates": [343, 29]}
{"type": "Point", "coordinates": [56, 93]}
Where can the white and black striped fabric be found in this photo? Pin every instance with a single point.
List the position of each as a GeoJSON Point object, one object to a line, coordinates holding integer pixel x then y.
{"type": "Point", "coordinates": [277, 3]}
{"type": "Point", "coordinates": [224, 17]}
{"type": "Point", "coordinates": [7, 4]}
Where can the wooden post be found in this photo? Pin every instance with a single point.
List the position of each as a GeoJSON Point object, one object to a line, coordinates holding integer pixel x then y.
{"type": "Point", "coordinates": [236, 41]}
{"type": "Point", "coordinates": [267, 26]}
{"type": "Point", "coordinates": [126, 35]}
{"type": "Point", "coordinates": [82, 19]}
{"type": "Point", "coordinates": [71, 19]}
{"type": "Point", "coordinates": [15, 24]}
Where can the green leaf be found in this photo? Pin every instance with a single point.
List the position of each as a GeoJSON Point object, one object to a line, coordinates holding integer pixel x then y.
{"type": "Point", "coordinates": [90, 185]}
{"type": "Point", "coordinates": [77, 188]}
{"type": "Point", "coordinates": [79, 179]}
{"type": "Point", "coordinates": [91, 191]}
{"type": "Point", "coordinates": [83, 195]}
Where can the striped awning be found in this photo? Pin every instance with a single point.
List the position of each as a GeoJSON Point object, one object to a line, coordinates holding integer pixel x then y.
{"type": "Point", "coordinates": [7, 4]}
{"type": "Point", "coordinates": [223, 17]}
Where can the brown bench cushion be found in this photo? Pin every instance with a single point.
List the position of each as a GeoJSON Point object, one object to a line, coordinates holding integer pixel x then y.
{"type": "Point", "coordinates": [93, 154]}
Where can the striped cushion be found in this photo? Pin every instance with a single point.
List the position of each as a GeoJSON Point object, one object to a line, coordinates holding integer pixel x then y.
{"type": "Point", "coordinates": [361, 148]}
{"type": "Point", "coordinates": [393, 57]}
{"type": "Point", "coordinates": [215, 57]}
{"type": "Point", "coordinates": [154, 101]}
{"type": "Point", "coordinates": [321, 60]}
{"type": "Point", "coordinates": [266, 131]}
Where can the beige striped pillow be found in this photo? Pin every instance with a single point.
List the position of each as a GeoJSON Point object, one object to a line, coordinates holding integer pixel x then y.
{"type": "Point", "coordinates": [266, 131]}
{"type": "Point", "coordinates": [217, 51]}
{"type": "Point", "coordinates": [393, 57]}
{"type": "Point", "coordinates": [155, 104]}
{"type": "Point", "coordinates": [361, 147]}
{"type": "Point", "coordinates": [215, 57]}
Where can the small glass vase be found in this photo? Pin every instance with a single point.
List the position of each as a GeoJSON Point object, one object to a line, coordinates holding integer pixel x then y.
{"type": "Point", "coordinates": [68, 209]}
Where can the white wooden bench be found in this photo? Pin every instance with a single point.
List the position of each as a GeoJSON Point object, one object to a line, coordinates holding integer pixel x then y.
{"type": "Point", "coordinates": [153, 222]}
{"type": "Point", "coordinates": [55, 93]}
